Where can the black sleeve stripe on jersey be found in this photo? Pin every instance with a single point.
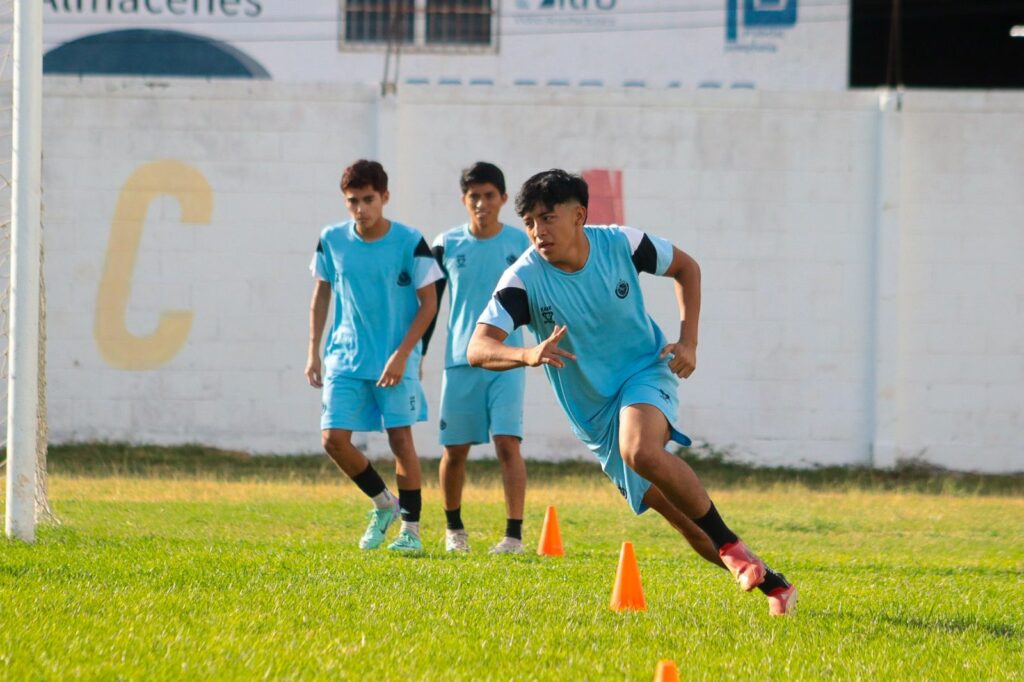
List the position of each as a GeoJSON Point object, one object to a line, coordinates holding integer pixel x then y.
{"type": "Point", "coordinates": [319, 246]}
{"type": "Point", "coordinates": [439, 288]}
{"type": "Point", "coordinates": [645, 258]}
{"type": "Point", "coordinates": [438, 252]}
{"type": "Point", "coordinates": [513, 300]}
{"type": "Point", "coordinates": [422, 249]}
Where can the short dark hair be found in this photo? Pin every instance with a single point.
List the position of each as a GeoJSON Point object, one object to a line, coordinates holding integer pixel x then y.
{"type": "Point", "coordinates": [549, 188]}
{"type": "Point", "coordinates": [481, 173]}
{"type": "Point", "coordinates": [365, 173]}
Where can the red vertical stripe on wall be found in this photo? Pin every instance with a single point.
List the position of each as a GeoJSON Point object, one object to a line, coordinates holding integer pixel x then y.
{"type": "Point", "coordinates": [606, 204]}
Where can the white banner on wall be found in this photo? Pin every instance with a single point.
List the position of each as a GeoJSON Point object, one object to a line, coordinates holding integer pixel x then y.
{"type": "Point", "coordinates": [762, 44]}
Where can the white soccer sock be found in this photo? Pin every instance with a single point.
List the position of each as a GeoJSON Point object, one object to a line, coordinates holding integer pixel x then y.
{"type": "Point", "coordinates": [411, 527]}
{"type": "Point", "coordinates": [384, 500]}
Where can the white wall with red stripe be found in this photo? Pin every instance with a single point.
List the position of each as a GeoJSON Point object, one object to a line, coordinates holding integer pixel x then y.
{"type": "Point", "coordinates": [863, 301]}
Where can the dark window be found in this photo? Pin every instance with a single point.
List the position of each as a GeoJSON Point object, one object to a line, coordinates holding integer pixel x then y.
{"type": "Point", "coordinates": [459, 22]}
{"type": "Point", "coordinates": [379, 21]}
{"type": "Point", "coordinates": [940, 44]}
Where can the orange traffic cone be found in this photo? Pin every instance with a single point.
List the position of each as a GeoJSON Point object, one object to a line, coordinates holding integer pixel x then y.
{"type": "Point", "coordinates": [628, 594]}
{"type": "Point", "coordinates": [550, 537]}
{"type": "Point", "coordinates": [666, 672]}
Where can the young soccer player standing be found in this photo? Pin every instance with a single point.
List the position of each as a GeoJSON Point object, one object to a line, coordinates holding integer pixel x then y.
{"type": "Point", "coordinates": [477, 403]}
{"type": "Point", "coordinates": [615, 377]}
{"type": "Point", "coordinates": [381, 276]}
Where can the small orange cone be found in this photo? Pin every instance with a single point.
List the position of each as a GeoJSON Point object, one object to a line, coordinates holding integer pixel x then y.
{"type": "Point", "coordinates": [550, 537]}
{"type": "Point", "coordinates": [666, 672]}
{"type": "Point", "coordinates": [628, 594]}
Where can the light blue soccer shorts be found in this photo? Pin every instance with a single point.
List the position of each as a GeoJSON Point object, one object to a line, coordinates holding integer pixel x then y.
{"type": "Point", "coordinates": [656, 386]}
{"type": "Point", "coordinates": [478, 403]}
{"type": "Point", "coordinates": [361, 405]}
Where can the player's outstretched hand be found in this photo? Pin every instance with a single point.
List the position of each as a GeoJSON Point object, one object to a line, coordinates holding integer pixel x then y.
{"type": "Point", "coordinates": [393, 370]}
{"type": "Point", "coordinates": [313, 375]}
{"type": "Point", "coordinates": [684, 359]}
{"type": "Point", "coordinates": [547, 351]}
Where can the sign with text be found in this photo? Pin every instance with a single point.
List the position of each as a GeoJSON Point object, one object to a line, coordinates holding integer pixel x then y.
{"type": "Point", "coordinates": [761, 44]}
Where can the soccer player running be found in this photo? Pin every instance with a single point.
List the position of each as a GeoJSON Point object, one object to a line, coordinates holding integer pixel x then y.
{"type": "Point", "coordinates": [476, 403]}
{"type": "Point", "coordinates": [381, 276]}
{"type": "Point", "coordinates": [610, 366]}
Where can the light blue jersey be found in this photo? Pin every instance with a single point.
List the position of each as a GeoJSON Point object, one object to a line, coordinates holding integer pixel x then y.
{"type": "Point", "coordinates": [374, 285]}
{"type": "Point", "coordinates": [473, 267]}
{"type": "Point", "coordinates": [616, 343]}
{"type": "Point", "coordinates": [602, 305]}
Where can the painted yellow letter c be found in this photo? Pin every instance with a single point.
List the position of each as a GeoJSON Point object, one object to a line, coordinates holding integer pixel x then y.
{"type": "Point", "coordinates": [119, 347]}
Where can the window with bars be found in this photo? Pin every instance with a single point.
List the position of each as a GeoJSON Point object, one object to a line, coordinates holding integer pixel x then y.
{"type": "Point", "coordinates": [420, 25]}
{"type": "Point", "coordinates": [380, 21]}
{"type": "Point", "coordinates": [459, 22]}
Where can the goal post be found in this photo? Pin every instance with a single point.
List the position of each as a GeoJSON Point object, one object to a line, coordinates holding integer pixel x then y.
{"type": "Point", "coordinates": [24, 350]}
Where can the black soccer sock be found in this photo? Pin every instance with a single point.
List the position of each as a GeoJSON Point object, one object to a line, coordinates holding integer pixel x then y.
{"type": "Point", "coordinates": [454, 519]}
{"type": "Point", "coordinates": [772, 580]}
{"type": "Point", "coordinates": [369, 481]}
{"type": "Point", "coordinates": [411, 502]}
{"type": "Point", "coordinates": [514, 528]}
{"type": "Point", "coordinates": [712, 524]}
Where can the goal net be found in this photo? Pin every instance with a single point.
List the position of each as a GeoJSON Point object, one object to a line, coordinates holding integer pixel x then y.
{"type": "Point", "coordinates": [43, 511]}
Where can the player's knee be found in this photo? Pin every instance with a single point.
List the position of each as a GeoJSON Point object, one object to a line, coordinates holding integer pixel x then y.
{"type": "Point", "coordinates": [334, 441]}
{"type": "Point", "coordinates": [506, 448]}
{"type": "Point", "coordinates": [400, 440]}
{"type": "Point", "coordinates": [455, 454]}
{"type": "Point", "coordinates": [629, 448]}
{"type": "Point", "coordinates": [642, 458]}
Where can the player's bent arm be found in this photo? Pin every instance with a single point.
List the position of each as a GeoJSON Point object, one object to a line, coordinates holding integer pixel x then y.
{"type": "Point", "coordinates": [686, 273]}
{"type": "Point", "coordinates": [427, 296]}
{"type": "Point", "coordinates": [487, 349]}
{"type": "Point", "coordinates": [319, 306]}
{"type": "Point", "coordinates": [394, 369]}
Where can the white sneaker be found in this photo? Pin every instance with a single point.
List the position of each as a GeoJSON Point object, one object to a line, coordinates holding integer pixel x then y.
{"type": "Point", "coordinates": [508, 546]}
{"type": "Point", "coordinates": [456, 541]}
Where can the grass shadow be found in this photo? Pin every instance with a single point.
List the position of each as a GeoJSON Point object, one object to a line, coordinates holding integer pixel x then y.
{"type": "Point", "coordinates": [957, 625]}
{"type": "Point", "coordinates": [715, 467]}
{"type": "Point", "coordinates": [719, 468]}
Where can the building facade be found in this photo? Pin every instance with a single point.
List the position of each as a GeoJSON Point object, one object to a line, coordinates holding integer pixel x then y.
{"type": "Point", "coordinates": [688, 44]}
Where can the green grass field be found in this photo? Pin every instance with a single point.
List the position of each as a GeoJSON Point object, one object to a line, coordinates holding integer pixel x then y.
{"type": "Point", "coordinates": [192, 564]}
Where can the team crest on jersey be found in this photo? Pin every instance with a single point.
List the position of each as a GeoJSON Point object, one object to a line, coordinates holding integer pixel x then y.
{"type": "Point", "coordinates": [622, 290]}
{"type": "Point", "coordinates": [460, 260]}
{"type": "Point", "coordinates": [404, 279]}
{"type": "Point", "coordinates": [510, 259]}
{"type": "Point", "coordinates": [548, 314]}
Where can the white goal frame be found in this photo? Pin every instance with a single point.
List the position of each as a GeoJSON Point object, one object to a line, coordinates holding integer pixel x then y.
{"type": "Point", "coordinates": [26, 270]}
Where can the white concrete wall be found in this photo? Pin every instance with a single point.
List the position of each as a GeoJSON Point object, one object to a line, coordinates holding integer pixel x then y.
{"type": "Point", "coordinates": [271, 157]}
{"type": "Point", "coordinates": [962, 281]}
{"type": "Point", "coordinates": [779, 196]}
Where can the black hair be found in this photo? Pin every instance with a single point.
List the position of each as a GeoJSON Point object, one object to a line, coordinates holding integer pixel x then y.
{"type": "Point", "coordinates": [549, 188]}
{"type": "Point", "coordinates": [481, 173]}
{"type": "Point", "coordinates": [365, 173]}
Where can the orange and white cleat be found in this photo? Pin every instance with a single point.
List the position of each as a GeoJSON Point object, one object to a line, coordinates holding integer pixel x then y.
{"type": "Point", "coordinates": [743, 564]}
{"type": "Point", "coordinates": [782, 601]}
